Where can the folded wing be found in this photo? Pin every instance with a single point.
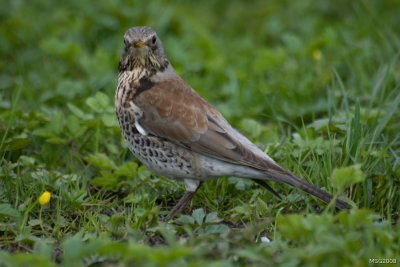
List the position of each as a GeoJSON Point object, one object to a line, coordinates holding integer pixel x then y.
{"type": "Point", "coordinates": [174, 111]}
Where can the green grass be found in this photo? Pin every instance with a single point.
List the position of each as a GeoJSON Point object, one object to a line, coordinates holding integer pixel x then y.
{"type": "Point", "coordinates": [314, 83]}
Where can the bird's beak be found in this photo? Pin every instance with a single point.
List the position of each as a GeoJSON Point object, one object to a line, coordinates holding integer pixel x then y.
{"type": "Point", "coordinates": [139, 44]}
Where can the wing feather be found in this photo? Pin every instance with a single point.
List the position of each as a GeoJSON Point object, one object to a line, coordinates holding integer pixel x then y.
{"type": "Point", "coordinates": [172, 110]}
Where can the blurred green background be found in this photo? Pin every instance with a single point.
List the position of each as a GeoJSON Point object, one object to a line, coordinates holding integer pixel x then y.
{"type": "Point", "coordinates": [314, 83]}
{"type": "Point", "coordinates": [247, 55]}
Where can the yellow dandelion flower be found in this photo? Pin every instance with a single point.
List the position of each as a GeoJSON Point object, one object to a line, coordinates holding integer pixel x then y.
{"type": "Point", "coordinates": [45, 198]}
{"type": "Point", "coordinates": [317, 55]}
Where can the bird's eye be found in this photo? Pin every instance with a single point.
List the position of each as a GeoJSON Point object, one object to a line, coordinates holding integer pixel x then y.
{"type": "Point", "coordinates": [126, 42]}
{"type": "Point", "coordinates": [154, 40]}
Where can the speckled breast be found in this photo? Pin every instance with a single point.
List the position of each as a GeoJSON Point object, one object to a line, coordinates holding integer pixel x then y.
{"type": "Point", "coordinates": [159, 155]}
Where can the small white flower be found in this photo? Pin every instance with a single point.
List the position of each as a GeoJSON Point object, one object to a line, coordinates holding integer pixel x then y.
{"type": "Point", "coordinates": [265, 239]}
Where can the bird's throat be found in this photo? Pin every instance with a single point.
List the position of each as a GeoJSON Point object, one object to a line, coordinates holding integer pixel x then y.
{"type": "Point", "coordinates": [133, 82]}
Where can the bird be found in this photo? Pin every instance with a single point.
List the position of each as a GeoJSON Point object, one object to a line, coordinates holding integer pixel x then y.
{"type": "Point", "coordinates": [177, 134]}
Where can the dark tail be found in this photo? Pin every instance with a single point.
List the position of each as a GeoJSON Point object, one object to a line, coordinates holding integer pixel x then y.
{"type": "Point", "coordinates": [282, 175]}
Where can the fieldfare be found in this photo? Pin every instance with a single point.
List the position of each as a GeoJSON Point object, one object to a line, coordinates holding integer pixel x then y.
{"type": "Point", "coordinates": [176, 133]}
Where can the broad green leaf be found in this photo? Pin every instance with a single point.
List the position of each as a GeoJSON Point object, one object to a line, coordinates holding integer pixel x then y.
{"type": "Point", "coordinates": [16, 144]}
{"type": "Point", "coordinates": [127, 169]}
{"type": "Point", "coordinates": [101, 161]}
{"type": "Point", "coordinates": [107, 181]}
{"type": "Point", "coordinates": [344, 177]}
{"type": "Point", "coordinates": [198, 215]}
{"type": "Point", "coordinates": [74, 127]}
{"type": "Point", "coordinates": [185, 219]}
{"type": "Point", "coordinates": [213, 218]}
{"type": "Point", "coordinates": [217, 229]}
{"type": "Point", "coordinates": [79, 113]}
{"type": "Point", "coordinates": [99, 103]}
{"type": "Point", "coordinates": [8, 211]}
{"type": "Point", "coordinates": [252, 127]}
{"type": "Point", "coordinates": [109, 120]}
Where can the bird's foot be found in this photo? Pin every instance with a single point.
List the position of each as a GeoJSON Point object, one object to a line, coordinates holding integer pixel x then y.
{"type": "Point", "coordinates": [179, 207]}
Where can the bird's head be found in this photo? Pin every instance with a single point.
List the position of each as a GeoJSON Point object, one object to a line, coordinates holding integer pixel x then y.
{"type": "Point", "coordinates": [143, 50]}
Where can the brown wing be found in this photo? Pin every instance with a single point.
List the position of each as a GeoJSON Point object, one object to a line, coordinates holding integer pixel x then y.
{"type": "Point", "coordinates": [174, 111]}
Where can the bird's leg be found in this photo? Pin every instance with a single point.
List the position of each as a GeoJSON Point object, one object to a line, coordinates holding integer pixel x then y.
{"type": "Point", "coordinates": [191, 188]}
{"type": "Point", "coordinates": [180, 206]}
{"type": "Point", "coordinates": [268, 187]}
